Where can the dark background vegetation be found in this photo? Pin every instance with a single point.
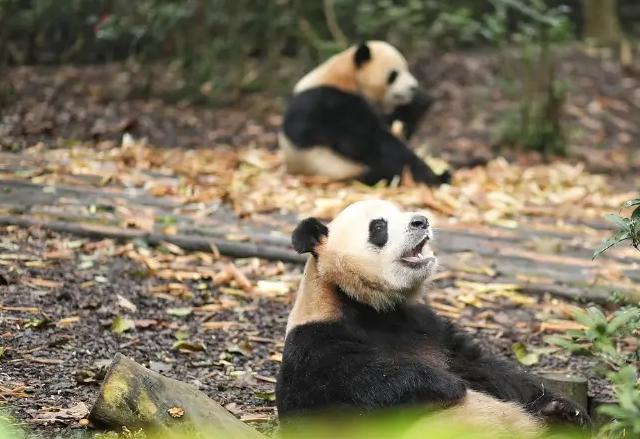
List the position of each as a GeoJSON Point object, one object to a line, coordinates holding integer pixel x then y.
{"type": "Point", "coordinates": [244, 44]}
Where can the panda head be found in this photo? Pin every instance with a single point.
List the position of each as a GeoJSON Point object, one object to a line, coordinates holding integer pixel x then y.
{"type": "Point", "coordinates": [382, 75]}
{"type": "Point", "coordinates": [374, 70]}
{"type": "Point", "coordinates": [374, 252]}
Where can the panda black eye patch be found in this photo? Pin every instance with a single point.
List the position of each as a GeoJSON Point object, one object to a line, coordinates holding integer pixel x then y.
{"type": "Point", "coordinates": [378, 234]}
{"type": "Point", "coordinates": [392, 76]}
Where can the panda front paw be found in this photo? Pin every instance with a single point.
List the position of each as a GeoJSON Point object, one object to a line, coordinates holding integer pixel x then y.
{"type": "Point", "coordinates": [563, 411]}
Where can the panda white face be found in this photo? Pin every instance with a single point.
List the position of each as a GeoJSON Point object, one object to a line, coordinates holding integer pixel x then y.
{"type": "Point", "coordinates": [402, 88]}
{"type": "Point", "coordinates": [375, 70]}
{"type": "Point", "coordinates": [383, 75]}
{"type": "Point", "coordinates": [377, 253]}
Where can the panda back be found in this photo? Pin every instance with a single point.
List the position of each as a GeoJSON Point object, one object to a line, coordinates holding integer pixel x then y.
{"type": "Point", "coordinates": [326, 116]}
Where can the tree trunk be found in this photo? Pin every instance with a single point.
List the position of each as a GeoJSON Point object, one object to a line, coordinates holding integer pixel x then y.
{"type": "Point", "coordinates": [601, 21]}
{"type": "Point", "coordinates": [134, 397]}
{"type": "Point", "coordinates": [572, 387]}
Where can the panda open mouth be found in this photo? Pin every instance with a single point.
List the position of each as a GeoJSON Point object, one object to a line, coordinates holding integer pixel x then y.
{"type": "Point", "coordinates": [417, 255]}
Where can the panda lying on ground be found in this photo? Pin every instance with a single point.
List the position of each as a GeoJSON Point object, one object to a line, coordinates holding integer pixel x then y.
{"type": "Point", "coordinates": [337, 124]}
{"type": "Point", "coordinates": [357, 338]}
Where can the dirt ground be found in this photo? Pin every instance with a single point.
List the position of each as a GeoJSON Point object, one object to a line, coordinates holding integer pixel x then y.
{"type": "Point", "coordinates": [58, 312]}
{"type": "Point", "coordinates": [62, 329]}
{"type": "Point", "coordinates": [69, 304]}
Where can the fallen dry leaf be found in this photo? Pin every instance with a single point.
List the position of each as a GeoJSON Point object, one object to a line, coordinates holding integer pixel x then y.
{"type": "Point", "coordinates": [50, 415]}
{"type": "Point", "coordinates": [43, 283]}
{"type": "Point", "coordinates": [176, 412]}
{"type": "Point", "coordinates": [67, 321]}
{"type": "Point", "coordinates": [239, 277]}
{"type": "Point", "coordinates": [265, 378]}
{"type": "Point", "coordinates": [64, 254]}
{"type": "Point", "coordinates": [222, 325]}
{"type": "Point", "coordinates": [553, 325]}
{"type": "Point", "coordinates": [256, 418]}
{"type": "Point", "coordinates": [125, 303]}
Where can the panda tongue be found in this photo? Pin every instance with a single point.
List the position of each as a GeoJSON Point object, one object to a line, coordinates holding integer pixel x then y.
{"type": "Point", "coordinates": [416, 257]}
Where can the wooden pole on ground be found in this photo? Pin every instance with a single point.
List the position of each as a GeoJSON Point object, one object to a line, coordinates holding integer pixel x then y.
{"type": "Point", "coordinates": [187, 242]}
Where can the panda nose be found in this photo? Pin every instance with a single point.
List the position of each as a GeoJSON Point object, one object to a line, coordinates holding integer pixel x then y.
{"type": "Point", "coordinates": [419, 222]}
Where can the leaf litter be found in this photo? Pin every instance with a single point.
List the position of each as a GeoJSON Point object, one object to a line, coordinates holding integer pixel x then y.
{"type": "Point", "coordinates": [239, 307]}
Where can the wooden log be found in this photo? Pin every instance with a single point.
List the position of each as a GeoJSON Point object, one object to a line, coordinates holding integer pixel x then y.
{"type": "Point", "coordinates": [33, 194]}
{"type": "Point", "coordinates": [191, 243]}
{"type": "Point", "coordinates": [573, 387]}
{"type": "Point", "coordinates": [257, 238]}
{"type": "Point", "coordinates": [135, 397]}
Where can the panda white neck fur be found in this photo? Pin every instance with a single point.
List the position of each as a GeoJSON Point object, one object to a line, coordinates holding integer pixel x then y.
{"type": "Point", "coordinates": [316, 299]}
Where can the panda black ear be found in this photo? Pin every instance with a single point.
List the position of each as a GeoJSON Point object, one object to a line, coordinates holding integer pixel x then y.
{"type": "Point", "coordinates": [362, 55]}
{"type": "Point", "coordinates": [308, 235]}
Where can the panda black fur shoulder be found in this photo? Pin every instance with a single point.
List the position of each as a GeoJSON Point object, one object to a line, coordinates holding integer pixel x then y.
{"type": "Point", "coordinates": [356, 337]}
{"type": "Point", "coordinates": [337, 122]}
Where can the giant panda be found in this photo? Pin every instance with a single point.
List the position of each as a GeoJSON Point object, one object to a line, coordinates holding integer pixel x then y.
{"type": "Point", "coordinates": [357, 338]}
{"type": "Point", "coordinates": [337, 123]}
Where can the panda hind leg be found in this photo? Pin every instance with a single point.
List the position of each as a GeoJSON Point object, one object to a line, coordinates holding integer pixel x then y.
{"type": "Point", "coordinates": [484, 414]}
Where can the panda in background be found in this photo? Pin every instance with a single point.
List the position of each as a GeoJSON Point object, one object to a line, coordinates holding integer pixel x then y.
{"type": "Point", "coordinates": [338, 122]}
{"type": "Point", "coordinates": [357, 338]}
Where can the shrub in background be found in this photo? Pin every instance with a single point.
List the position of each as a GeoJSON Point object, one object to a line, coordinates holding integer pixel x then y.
{"type": "Point", "coordinates": [231, 46]}
{"type": "Point", "coordinates": [527, 77]}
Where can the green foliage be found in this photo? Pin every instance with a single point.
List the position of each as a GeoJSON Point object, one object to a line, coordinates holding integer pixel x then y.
{"type": "Point", "coordinates": [221, 46]}
{"type": "Point", "coordinates": [602, 337]}
{"type": "Point", "coordinates": [528, 74]}
{"type": "Point", "coordinates": [44, 31]}
{"type": "Point", "coordinates": [535, 123]}
{"type": "Point", "coordinates": [7, 430]}
{"type": "Point", "coordinates": [628, 228]}
{"type": "Point", "coordinates": [229, 47]}
{"type": "Point", "coordinates": [627, 410]}
{"type": "Point", "coordinates": [407, 424]}
{"type": "Point", "coordinates": [418, 25]}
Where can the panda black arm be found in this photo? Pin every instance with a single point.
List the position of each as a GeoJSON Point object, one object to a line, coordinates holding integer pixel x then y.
{"type": "Point", "coordinates": [324, 367]}
{"type": "Point", "coordinates": [507, 381]}
{"type": "Point", "coordinates": [411, 114]}
{"type": "Point", "coordinates": [393, 156]}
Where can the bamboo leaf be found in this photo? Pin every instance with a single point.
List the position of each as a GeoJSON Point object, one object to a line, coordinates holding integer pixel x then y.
{"type": "Point", "coordinates": [623, 317]}
{"type": "Point", "coordinates": [631, 203]}
{"type": "Point", "coordinates": [621, 222]}
{"type": "Point", "coordinates": [619, 236]}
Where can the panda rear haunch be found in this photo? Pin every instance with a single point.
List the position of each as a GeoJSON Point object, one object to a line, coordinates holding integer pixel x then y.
{"type": "Point", "coordinates": [357, 338]}
{"type": "Point", "coordinates": [337, 123]}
